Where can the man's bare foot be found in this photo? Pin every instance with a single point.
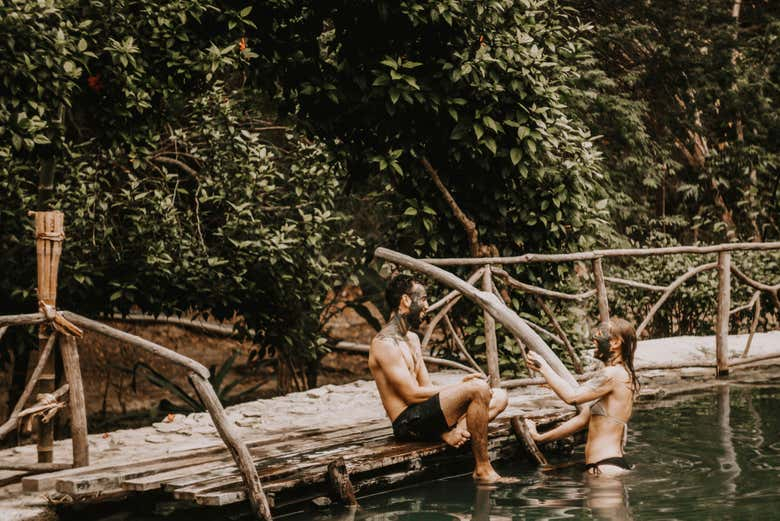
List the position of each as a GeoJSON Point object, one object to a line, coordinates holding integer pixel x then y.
{"type": "Point", "coordinates": [486, 475]}
{"type": "Point", "coordinates": [456, 436]}
{"type": "Point", "coordinates": [532, 429]}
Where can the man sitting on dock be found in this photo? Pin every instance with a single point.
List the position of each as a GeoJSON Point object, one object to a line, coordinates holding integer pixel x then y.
{"type": "Point", "coordinates": [418, 409]}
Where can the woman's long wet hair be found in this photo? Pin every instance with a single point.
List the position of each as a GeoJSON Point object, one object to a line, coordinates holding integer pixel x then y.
{"type": "Point", "coordinates": [623, 329]}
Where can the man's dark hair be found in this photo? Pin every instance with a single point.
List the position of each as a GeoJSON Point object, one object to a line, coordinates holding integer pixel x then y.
{"type": "Point", "coordinates": [398, 286]}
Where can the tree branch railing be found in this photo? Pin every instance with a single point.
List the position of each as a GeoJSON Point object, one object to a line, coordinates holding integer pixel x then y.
{"type": "Point", "coordinates": [491, 269]}
{"type": "Point", "coordinates": [64, 327]}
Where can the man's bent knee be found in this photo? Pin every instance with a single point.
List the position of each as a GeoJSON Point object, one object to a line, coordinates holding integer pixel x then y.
{"type": "Point", "coordinates": [478, 390]}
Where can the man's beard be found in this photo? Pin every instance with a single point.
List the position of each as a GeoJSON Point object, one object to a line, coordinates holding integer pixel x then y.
{"type": "Point", "coordinates": [414, 316]}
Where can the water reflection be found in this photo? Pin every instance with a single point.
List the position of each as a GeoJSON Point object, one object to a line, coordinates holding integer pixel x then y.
{"type": "Point", "coordinates": [607, 498]}
{"type": "Point", "coordinates": [729, 466]}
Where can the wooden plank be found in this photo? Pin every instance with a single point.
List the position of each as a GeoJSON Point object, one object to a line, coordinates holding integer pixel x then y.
{"type": "Point", "coordinates": [216, 449]}
{"type": "Point", "coordinates": [290, 453]}
{"type": "Point", "coordinates": [364, 460]}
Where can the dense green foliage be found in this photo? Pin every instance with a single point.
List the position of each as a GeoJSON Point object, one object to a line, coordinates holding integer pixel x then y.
{"type": "Point", "coordinates": [555, 125]}
{"type": "Point", "coordinates": [179, 193]}
{"type": "Point", "coordinates": [479, 89]}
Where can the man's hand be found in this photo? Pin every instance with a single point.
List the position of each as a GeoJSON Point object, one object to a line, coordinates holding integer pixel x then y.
{"type": "Point", "coordinates": [472, 376]}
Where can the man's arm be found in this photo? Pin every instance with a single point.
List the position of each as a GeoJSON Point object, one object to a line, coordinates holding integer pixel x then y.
{"type": "Point", "coordinates": [593, 389]}
{"type": "Point", "coordinates": [397, 374]}
{"type": "Point", "coordinates": [421, 372]}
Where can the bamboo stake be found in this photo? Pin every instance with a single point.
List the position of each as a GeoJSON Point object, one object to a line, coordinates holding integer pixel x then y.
{"type": "Point", "coordinates": [575, 360]}
{"type": "Point", "coordinates": [78, 407]}
{"type": "Point", "coordinates": [491, 344]}
{"type": "Point", "coordinates": [601, 290]}
{"type": "Point", "coordinates": [49, 233]}
{"type": "Point", "coordinates": [461, 346]}
{"type": "Point", "coordinates": [591, 255]}
{"type": "Point", "coordinates": [236, 445]}
{"type": "Point", "coordinates": [11, 423]}
{"type": "Point", "coordinates": [487, 301]}
{"type": "Point", "coordinates": [722, 319]}
{"type": "Point", "coordinates": [753, 326]}
{"type": "Point", "coordinates": [669, 289]}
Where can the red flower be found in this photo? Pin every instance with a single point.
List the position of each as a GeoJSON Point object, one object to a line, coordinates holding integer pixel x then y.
{"type": "Point", "coordinates": [242, 44]}
{"type": "Point", "coordinates": [94, 83]}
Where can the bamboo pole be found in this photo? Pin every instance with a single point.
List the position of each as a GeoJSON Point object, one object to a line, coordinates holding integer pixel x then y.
{"type": "Point", "coordinates": [236, 445]}
{"type": "Point", "coordinates": [722, 319]}
{"type": "Point", "coordinates": [669, 289]}
{"type": "Point", "coordinates": [575, 360]}
{"type": "Point", "coordinates": [43, 357]}
{"type": "Point", "coordinates": [601, 290]}
{"type": "Point", "coordinates": [78, 407]}
{"type": "Point", "coordinates": [491, 344]}
{"type": "Point", "coordinates": [591, 255]}
{"type": "Point", "coordinates": [495, 306]}
{"type": "Point", "coordinates": [49, 233]}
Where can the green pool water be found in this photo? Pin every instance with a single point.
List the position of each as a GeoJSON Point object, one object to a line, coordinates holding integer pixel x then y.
{"type": "Point", "coordinates": [713, 456]}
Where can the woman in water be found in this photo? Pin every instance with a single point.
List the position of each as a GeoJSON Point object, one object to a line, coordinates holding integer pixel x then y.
{"type": "Point", "coordinates": [612, 391]}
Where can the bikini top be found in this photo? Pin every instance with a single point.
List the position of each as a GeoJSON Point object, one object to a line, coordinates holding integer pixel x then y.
{"type": "Point", "coordinates": [598, 409]}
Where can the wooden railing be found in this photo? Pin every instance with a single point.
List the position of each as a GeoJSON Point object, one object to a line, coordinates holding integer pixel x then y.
{"type": "Point", "coordinates": [64, 327]}
{"type": "Point", "coordinates": [489, 269]}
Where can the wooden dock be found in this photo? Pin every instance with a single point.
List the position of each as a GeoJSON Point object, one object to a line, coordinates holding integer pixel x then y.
{"type": "Point", "coordinates": [293, 468]}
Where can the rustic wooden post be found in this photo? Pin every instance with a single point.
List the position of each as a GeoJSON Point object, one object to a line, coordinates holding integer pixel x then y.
{"type": "Point", "coordinates": [340, 483]}
{"type": "Point", "coordinates": [601, 289]}
{"type": "Point", "coordinates": [49, 233]}
{"type": "Point", "coordinates": [722, 318]}
{"type": "Point", "coordinates": [236, 445]}
{"type": "Point", "coordinates": [78, 406]}
{"type": "Point", "coordinates": [491, 344]}
{"type": "Point", "coordinates": [523, 435]}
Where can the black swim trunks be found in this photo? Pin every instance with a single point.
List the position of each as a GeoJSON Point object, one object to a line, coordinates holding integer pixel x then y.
{"type": "Point", "coordinates": [421, 422]}
{"type": "Point", "coordinates": [618, 461]}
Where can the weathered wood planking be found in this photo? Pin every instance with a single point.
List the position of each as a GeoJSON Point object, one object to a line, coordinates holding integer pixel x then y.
{"type": "Point", "coordinates": [292, 468]}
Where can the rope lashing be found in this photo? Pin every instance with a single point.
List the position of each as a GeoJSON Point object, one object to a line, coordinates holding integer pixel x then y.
{"type": "Point", "coordinates": [59, 322]}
